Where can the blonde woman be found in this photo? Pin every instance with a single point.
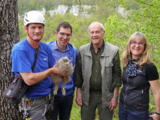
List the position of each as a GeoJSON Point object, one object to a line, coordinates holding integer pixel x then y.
{"type": "Point", "coordinates": [139, 73]}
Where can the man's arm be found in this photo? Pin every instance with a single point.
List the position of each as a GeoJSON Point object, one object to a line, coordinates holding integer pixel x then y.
{"type": "Point", "coordinates": [114, 100]}
{"type": "Point", "coordinates": [116, 71]}
{"type": "Point", "coordinates": [78, 75]}
{"type": "Point", "coordinates": [33, 78]}
{"type": "Point", "coordinates": [78, 97]}
{"type": "Point", "coordinates": [156, 93]}
{"type": "Point", "coordinates": [78, 81]}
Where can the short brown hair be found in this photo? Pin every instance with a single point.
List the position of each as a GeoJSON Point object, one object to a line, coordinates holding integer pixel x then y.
{"type": "Point", "coordinates": [64, 25]}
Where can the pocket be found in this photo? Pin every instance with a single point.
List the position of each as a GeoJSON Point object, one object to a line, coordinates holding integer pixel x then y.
{"type": "Point", "coordinates": [107, 76]}
{"type": "Point", "coordinates": [108, 66]}
{"type": "Point", "coordinates": [108, 95]}
{"type": "Point", "coordinates": [82, 93]}
{"type": "Point", "coordinates": [108, 69]}
{"type": "Point", "coordinates": [133, 98]}
{"type": "Point", "coordinates": [140, 114]}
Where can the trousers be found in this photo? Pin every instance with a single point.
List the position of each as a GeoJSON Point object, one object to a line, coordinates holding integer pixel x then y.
{"type": "Point", "coordinates": [35, 108]}
{"type": "Point", "coordinates": [95, 102]}
{"type": "Point", "coordinates": [62, 107]}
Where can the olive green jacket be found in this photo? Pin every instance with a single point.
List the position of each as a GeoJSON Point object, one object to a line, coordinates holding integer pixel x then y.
{"type": "Point", "coordinates": [110, 71]}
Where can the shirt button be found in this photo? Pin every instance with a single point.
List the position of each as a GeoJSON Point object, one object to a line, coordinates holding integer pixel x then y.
{"type": "Point", "coordinates": [95, 87]}
{"type": "Point", "coordinates": [95, 80]}
{"type": "Point", "coordinates": [96, 70]}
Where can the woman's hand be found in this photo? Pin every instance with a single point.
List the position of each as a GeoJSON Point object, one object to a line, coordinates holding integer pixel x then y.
{"type": "Point", "coordinates": [155, 116]}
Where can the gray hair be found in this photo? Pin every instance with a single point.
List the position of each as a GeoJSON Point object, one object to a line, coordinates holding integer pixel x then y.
{"type": "Point", "coordinates": [94, 23]}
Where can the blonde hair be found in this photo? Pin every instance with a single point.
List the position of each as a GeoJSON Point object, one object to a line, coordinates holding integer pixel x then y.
{"type": "Point", "coordinates": [145, 56]}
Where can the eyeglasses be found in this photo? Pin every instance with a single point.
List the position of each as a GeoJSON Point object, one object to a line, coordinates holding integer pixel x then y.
{"type": "Point", "coordinates": [135, 43]}
{"type": "Point", "coordinates": [63, 34]}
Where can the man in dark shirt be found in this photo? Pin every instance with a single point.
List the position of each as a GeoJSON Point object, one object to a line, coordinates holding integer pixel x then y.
{"type": "Point", "coordinates": [98, 76]}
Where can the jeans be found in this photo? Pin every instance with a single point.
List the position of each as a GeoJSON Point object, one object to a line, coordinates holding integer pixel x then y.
{"type": "Point", "coordinates": [128, 114]}
{"type": "Point", "coordinates": [62, 107]}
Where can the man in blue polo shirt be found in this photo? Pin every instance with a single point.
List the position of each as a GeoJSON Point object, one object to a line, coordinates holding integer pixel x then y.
{"type": "Point", "coordinates": [61, 48]}
{"type": "Point", "coordinates": [23, 54]}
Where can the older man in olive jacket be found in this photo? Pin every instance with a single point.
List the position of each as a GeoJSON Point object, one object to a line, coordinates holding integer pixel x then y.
{"type": "Point", "coordinates": [98, 76]}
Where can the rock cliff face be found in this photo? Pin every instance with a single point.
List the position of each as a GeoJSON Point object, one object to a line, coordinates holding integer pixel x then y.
{"type": "Point", "coordinates": [62, 9]}
{"type": "Point", "coordinates": [76, 10]}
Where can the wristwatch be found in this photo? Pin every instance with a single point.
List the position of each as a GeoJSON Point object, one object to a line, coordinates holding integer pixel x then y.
{"type": "Point", "coordinates": [115, 96]}
{"type": "Point", "coordinates": [157, 113]}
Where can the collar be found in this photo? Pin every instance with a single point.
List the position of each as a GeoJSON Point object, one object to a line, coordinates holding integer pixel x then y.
{"type": "Point", "coordinates": [55, 47]}
{"type": "Point", "coordinates": [100, 48]}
